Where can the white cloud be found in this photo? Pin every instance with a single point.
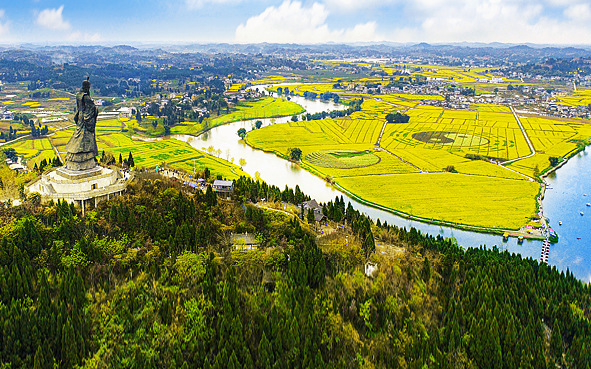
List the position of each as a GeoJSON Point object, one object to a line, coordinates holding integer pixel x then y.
{"type": "Point", "coordinates": [293, 23]}
{"type": "Point", "coordinates": [4, 27]}
{"type": "Point", "coordinates": [515, 21]}
{"type": "Point", "coordinates": [197, 4]}
{"type": "Point", "coordinates": [53, 19]}
{"type": "Point", "coordinates": [579, 12]}
{"type": "Point", "coordinates": [354, 5]}
{"type": "Point", "coordinates": [84, 37]}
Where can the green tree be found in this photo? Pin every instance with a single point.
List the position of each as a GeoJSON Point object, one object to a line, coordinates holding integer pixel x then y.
{"type": "Point", "coordinates": [369, 246]}
{"type": "Point", "coordinates": [310, 216]}
{"type": "Point", "coordinates": [130, 160]}
{"type": "Point", "coordinates": [69, 347]}
{"type": "Point", "coordinates": [258, 124]}
{"type": "Point", "coordinates": [265, 353]}
{"type": "Point", "coordinates": [397, 118]}
{"type": "Point", "coordinates": [210, 197]}
{"type": "Point", "coordinates": [556, 341]}
{"type": "Point", "coordinates": [39, 360]}
{"type": "Point", "coordinates": [242, 132]}
{"type": "Point", "coordinates": [295, 154]}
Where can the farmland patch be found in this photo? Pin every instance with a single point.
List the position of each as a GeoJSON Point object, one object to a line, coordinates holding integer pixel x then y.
{"type": "Point", "coordinates": [342, 159]}
{"type": "Point", "coordinates": [450, 138]}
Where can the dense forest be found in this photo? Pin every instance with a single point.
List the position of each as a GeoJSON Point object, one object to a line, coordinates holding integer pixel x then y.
{"type": "Point", "coordinates": [154, 279]}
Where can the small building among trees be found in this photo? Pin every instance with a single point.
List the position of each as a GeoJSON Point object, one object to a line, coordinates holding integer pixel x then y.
{"type": "Point", "coordinates": [312, 207]}
{"type": "Point", "coordinates": [222, 186]}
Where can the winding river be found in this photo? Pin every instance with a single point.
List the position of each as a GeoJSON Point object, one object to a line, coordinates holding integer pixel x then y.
{"type": "Point", "coordinates": [564, 199]}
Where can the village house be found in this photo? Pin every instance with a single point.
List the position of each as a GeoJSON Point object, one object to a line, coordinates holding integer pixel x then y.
{"type": "Point", "coordinates": [126, 112]}
{"type": "Point", "coordinates": [312, 204]}
{"type": "Point", "coordinates": [222, 186]}
{"type": "Point", "coordinates": [7, 115]}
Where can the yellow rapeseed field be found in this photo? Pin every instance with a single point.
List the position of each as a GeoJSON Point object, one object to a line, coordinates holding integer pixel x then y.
{"type": "Point", "coordinates": [463, 199]}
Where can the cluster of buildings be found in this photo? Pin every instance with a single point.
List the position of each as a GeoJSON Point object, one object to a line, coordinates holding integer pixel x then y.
{"type": "Point", "coordinates": [16, 166]}
{"type": "Point", "coordinates": [7, 115]}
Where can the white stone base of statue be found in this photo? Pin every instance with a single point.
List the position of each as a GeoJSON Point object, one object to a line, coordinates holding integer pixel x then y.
{"type": "Point", "coordinates": [80, 186]}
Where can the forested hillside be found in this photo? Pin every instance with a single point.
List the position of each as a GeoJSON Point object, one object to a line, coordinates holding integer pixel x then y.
{"type": "Point", "coordinates": [152, 280]}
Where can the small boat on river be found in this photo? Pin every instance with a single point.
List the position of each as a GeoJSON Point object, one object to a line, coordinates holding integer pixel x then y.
{"type": "Point", "coordinates": [520, 239]}
{"type": "Point", "coordinates": [560, 223]}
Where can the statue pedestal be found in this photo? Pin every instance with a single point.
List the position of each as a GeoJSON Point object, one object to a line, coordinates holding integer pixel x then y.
{"type": "Point", "coordinates": [80, 186]}
{"type": "Point", "coordinates": [79, 174]}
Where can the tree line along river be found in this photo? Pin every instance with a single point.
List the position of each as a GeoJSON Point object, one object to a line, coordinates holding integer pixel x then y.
{"type": "Point", "coordinates": [564, 199]}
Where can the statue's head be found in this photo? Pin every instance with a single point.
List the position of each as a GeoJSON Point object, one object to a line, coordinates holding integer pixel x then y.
{"type": "Point", "coordinates": [86, 85]}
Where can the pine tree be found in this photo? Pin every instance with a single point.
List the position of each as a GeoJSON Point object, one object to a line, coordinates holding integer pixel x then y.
{"type": "Point", "coordinates": [39, 360]}
{"type": "Point", "coordinates": [130, 160]}
{"type": "Point", "coordinates": [265, 353]}
{"type": "Point", "coordinates": [69, 350]}
{"type": "Point", "coordinates": [556, 341]}
{"type": "Point", "coordinates": [210, 197]}
{"type": "Point", "coordinates": [120, 159]}
{"type": "Point", "coordinates": [233, 362]}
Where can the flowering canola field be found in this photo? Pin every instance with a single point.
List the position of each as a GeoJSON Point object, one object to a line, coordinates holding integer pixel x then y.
{"type": "Point", "coordinates": [443, 165]}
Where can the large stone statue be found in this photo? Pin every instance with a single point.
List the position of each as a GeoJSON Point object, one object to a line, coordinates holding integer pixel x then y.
{"type": "Point", "coordinates": [82, 148]}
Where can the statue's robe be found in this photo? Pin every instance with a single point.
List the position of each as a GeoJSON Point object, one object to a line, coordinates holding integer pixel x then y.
{"type": "Point", "coordinates": [82, 148]}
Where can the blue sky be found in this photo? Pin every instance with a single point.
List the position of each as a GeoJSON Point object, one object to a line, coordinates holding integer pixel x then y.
{"type": "Point", "coordinates": [203, 21]}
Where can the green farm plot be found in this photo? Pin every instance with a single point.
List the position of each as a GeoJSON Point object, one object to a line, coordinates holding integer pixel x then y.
{"type": "Point", "coordinates": [388, 164]}
{"type": "Point", "coordinates": [108, 125]}
{"type": "Point", "coordinates": [266, 108]}
{"type": "Point", "coordinates": [33, 150]}
{"type": "Point", "coordinates": [342, 159]}
{"type": "Point", "coordinates": [187, 128]}
{"type": "Point", "coordinates": [115, 140]}
{"type": "Point", "coordinates": [215, 165]}
{"type": "Point", "coordinates": [150, 154]}
{"type": "Point", "coordinates": [176, 154]}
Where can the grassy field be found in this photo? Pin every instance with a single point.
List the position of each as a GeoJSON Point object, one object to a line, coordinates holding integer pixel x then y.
{"type": "Point", "coordinates": [266, 108]}
{"type": "Point", "coordinates": [342, 159]}
{"type": "Point", "coordinates": [175, 154]}
{"type": "Point", "coordinates": [33, 151]}
{"type": "Point", "coordinates": [435, 141]}
{"type": "Point", "coordinates": [463, 199]}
